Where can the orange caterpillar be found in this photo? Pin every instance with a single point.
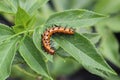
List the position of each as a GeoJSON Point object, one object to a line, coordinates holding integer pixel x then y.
{"type": "Point", "coordinates": [49, 32]}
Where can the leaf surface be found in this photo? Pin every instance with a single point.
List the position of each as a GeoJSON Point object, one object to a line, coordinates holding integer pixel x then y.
{"type": "Point", "coordinates": [74, 18]}
{"type": "Point", "coordinates": [81, 49]}
{"type": "Point", "coordinates": [7, 53]}
{"type": "Point", "coordinates": [32, 56]}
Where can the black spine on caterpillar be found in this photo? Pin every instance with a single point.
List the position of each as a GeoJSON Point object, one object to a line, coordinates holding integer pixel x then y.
{"type": "Point", "coordinates": [49, 32]}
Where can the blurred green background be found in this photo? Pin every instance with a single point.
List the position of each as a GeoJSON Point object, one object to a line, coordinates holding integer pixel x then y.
{"type": "Point", "coordinates": [69, 69]}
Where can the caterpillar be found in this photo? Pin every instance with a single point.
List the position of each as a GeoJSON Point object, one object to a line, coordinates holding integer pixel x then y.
{"type": "Point", "coordinates": [49, 32]}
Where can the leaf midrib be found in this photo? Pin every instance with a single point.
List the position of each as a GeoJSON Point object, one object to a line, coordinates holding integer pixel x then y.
{"type": "Point", "coordinates": [86, 55]}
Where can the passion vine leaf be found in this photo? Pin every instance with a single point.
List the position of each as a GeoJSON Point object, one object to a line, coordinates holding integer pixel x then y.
{"type": "Point", "coordinates": [7, 53]}
{"type": "Point", "coordinates": [8, 47]}
{"type": "Point", "coordinates": [93, 37]}
{"type": "Point", "coordinates": [81, 49]}
{"type": "Point", "coordinates": [74, 18]}
{"type": "Point", "coordinates": [32, 57]}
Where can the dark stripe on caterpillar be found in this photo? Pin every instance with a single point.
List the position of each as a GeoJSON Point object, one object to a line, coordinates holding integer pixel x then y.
{"type": "Point", "coordinates": [49, 32]}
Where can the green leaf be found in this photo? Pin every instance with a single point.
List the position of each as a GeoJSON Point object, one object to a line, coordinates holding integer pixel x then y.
{"type": "Point", "coordinates": [107, 6]}
{"type": "Point", "coordinates": [5, 7]}
{"type": "Point", "coordinates": [23, 23]}
{"type": "Point", "coordinates": [84, 52]}
{"type": "Point", "coordinates": [31, 23]}
{"type": "Point", "coordinates": [21, 20]}
{"type": "Point", "coordinates": [30, 6]}
{"type": "Point", "coordinates": [64, 66]}
{"type": "Point", "coordinates": [114, 23]}
{"type": "Point", "coordinates": [7, 53]}
{"type": "Point", "coordinates": [21, 17]}
{"type": "Point", "coordinates": [61, 5]}
{"type": "Point", "coordinates": [109, 45]}
{"type": "Point", "coordinates": [5, 32]}
{"type": "Point", "coordinates": [36, 5]}
{"type": "Point", "coordinates": [93, 37]}
{"type": "Point", "coordinates": [74, 18]}
{"type": "Point", "coordinates": [32, 57]}
{"type": "Point", "coordinates": [37, 41]}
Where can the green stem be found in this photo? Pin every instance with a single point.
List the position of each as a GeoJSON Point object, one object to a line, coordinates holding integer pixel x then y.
{"type": "Point", "coordinates": [18, 34]}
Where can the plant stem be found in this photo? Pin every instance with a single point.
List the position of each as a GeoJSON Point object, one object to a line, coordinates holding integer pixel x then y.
{"type": "Point", "coordinates": [18, 34]}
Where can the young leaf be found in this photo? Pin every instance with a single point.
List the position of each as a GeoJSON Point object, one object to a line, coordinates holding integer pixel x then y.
{"type": "Point", "coordinates": [84, 52]}
{"type": "Point", "coordinates": [21, 20]}
{"type": "Point", "coordinates": [21, 17]}
{"type": "Point", "coordinates": [32, 57]}
{"type": "Point", "coordinates": [38, 43]}
{"type": "Point", "coordinates": [7, 53]}
{"type": "Point", "coordinates": [74, 18]}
